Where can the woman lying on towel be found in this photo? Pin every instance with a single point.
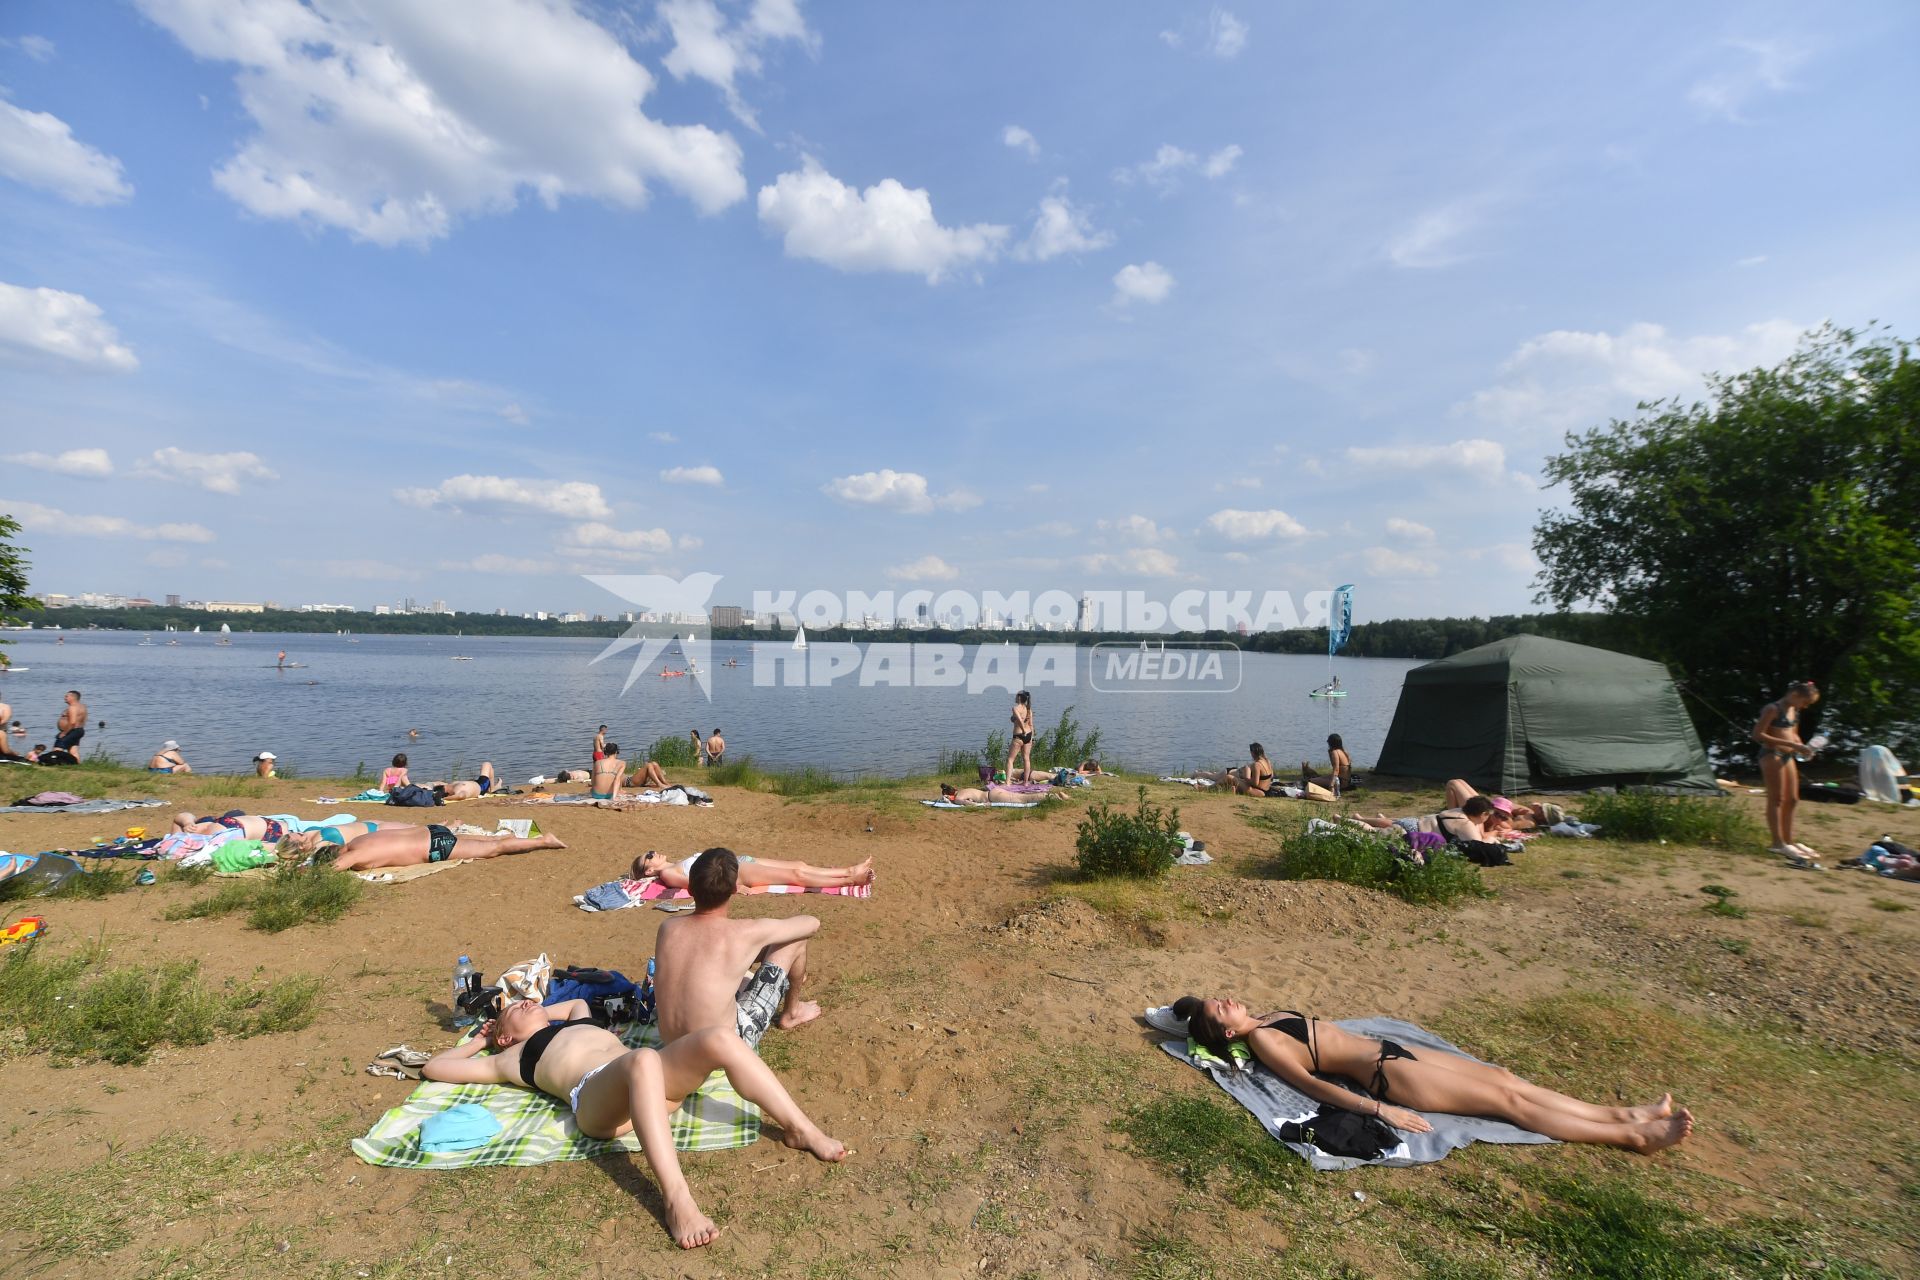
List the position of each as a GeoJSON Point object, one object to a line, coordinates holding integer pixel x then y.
{"type": "Point", "coordinates": [1467, 822]}
{"type": "Point", "coordinates": [1400, 1084]}
{"type": "Point", "coordinates": [557, 1050]}
{"type": "Point", "coordinates": [253, 826]}
{"type": "Point", "coordinates": [755, 873]}
{"type": "Point", "coordinates": [397, 846]}
{"type": "Point", "coordinates": [994, 793]}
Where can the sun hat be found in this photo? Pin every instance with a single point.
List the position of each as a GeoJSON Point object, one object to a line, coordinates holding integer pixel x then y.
{"type": "Point", "coordinates": [169, 745]}
{"type": "Point", "coordinates": [1501, 803]}
{"type": "Point", "coordinates": [1552, 813]}
{"type": "Point", "coordinates": [266, 755]}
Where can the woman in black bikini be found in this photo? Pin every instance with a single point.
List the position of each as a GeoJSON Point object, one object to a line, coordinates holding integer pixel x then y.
{"type": "Point", "coordinates": [1022, 748]}
{"type": "Point", "coordinates": [1778, 733]}
{"type": "Point", "coordinates": [1399, 1083]}
{"type": "Point", "coordinates": [556, 1049]}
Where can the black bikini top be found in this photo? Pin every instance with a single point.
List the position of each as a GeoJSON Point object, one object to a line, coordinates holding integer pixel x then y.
{"type": "Point", "coordinates": [536, 1045]}
{"type": "Point", "coordinates": [1300, 1027]}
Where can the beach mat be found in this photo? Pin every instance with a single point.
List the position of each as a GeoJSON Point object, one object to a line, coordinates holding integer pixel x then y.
{"type": "Point", "coordinates": [617, 895]}
{"type": "Point", "coordinates": [1273, 1103]}
{"type": "Point", "coordinates": [400, 875]}
{"type": "Point", "coordinates": [84, 806]}
{"type": "Point", "coordinates": [992, 804]}
{"type": "Point", "coordinates": [539, 1129]}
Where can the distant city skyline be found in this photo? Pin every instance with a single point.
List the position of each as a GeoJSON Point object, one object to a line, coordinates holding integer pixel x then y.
{"type": "Point", "coordinates": [358, 301]}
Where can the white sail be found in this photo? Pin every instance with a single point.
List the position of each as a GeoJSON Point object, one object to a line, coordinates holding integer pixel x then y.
{"type": "Point", "coordinates": [196, 631]}
{"type": "Point", "coordinates": [799, 637]}
{"type": "Point", "coordinates": [225, 630]}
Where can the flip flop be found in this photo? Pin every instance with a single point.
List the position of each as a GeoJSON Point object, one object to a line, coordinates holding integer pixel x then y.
{"type": "Point", "coordinates": [398, 1073]}
{"type": "Point", "coordinates": [406, 1055]}
{"type": "Point", "coordinates": [1801, 862]}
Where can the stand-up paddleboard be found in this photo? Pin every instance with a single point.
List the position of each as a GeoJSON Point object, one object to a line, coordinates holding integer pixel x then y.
{"type": "Point", "coordinates": [1328, 693]}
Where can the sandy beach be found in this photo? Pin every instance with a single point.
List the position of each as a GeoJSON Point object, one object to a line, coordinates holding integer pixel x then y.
{"type": "Point", "coordinates": [981, 1052]}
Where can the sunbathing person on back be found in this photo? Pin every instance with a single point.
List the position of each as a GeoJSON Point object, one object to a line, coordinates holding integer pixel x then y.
{"type": "Point", "coordinates": [1468, 822]}
{"type": "Point", "coordinates": [995, 794]}
{"type": "Point", "coordinates": [393, 846]}
{"type": "Point", "coordinates": [483, 783]}
{"type": "Point", "coordinates": [708, 989]}
{"type": "Point", "coordinates": [754, 873]}
{"type": "Point", "coordinates": [611, 1089]}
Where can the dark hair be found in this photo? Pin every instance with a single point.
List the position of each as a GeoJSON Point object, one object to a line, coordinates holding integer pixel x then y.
{"type": "Point", "coordinates": [946, 789]}
{"type": "Point", "coordinates": [609, 749]}
{"type": "Point", "coordinates": [603, 728]}
{"type": "Point", "coordinates": [1804, 686]}
{"type": "Point", "coordinates": [439, 791]}
{"type": "Point", "coordinates": [1209, 1034]}
{"type": "Point", "coordinates": [1024, 698]}
{"type": "Point", "coordinates": [715, 876]}
{"type": "Point", "coordinates": [399, 759]}
{"type": "Point", "coordinates": [74, 692]}
{"type": "Point", "coordinates": [1477, 805]}
{"type": "Point", "coordinates": [716, 728]}
{"type": "Point", "coordinates": [1257, 751]}
{"type": "Point", "coordinates": [1334, 743]}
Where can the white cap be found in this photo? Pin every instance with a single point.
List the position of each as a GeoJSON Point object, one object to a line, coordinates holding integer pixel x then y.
{"type": "Point", "coordinates": [266, 755]}
{"type": "Point", "coordinates": [169, 745]}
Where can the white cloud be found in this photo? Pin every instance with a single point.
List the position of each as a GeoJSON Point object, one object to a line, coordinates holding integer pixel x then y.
{"type": "Point", "coordinates": [1408, 530]}
{"type": "Point", "coordinates": [904, 491]}
{"type": "Point", "coordinates": [1384, 562]}
{"type": "Point", "coordinates": [1226, 34]}
{"type": "Point", "coordinates": [1221, 162]}
{"type": "Point", "coordinates": [693, 475]}
{"type": "Point", "coordinates": [216, 472]}
{"type": "Point", "coordinates": [494, 562]}
{"type": "Point", "coordinates": [39, 48]}
{"type": "Point", "coordinates": [1172, 39]}
{"type": "Point", "coordinates": [604, 536]}
{"type": "Point", "coordinates": [1060, 228]}
{"type": "Point", "coordinates": [1569, 378]}
{"type": "Point", "coordinates": [368, 571]}
{"type": "Point", "coordinates": [708, 47]}
{"type": "Point", "coordinates": [514, 413]}
{"type": "Point", "coordinates": [925, 569]}
{"type": "Point", "coordinates": [1433, 239]}
{"type": "Point", "coordinates": [1763, 66]}
{"type": "Point", "coordinates": [1139, 528]}
{"type": "Point", "coordinates": [574, 498]}
{"type": "Point", "coordinates": [1142, 562]}
{"type": "Point", "coordinates": [1238, 557]}
{"type": "Point", "coordinates": [91, 463]}
{"type": "Point", "coordinates": [1478, 457]}
{"type": "Point", "coordinates": [663, 437]}
{"type": "Point", "coordinates": [32, 515]}
{"type": "Point", "coordinates": [1020, 140]}
{"type": "Point", "coordinates": [1255, 526]}
{"type": "Point", "coordinates": [1752, 261]}
{"type": "Point", "coordinates": [39, 323]}
{"type": "Point", "coordinates": [394, 121]}
{"type": "Point", "coordinates": [1142, 282]}
{"type": "Point", "coordinates": [887, 227]}
{"type": "Point", "coordinates": [40, 150]}
{"type": "Point", "coordinates": [688, 542]}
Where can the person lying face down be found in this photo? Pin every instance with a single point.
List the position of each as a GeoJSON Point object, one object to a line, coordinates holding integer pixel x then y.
{"type": "Point", "coordinates": [994, 793]}
{"type": "Point", "coordinates": [1398, 1083]}
{"type": "Point", "coordinates": [754, 873]}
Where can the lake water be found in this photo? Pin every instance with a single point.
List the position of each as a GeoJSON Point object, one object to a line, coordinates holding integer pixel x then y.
{"type": "Point", "coordinates": [531, 704]}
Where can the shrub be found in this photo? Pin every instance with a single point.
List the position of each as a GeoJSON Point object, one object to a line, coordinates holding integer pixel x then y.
{"type": "Point", "coordinates": [1675, 819]}
{"type": "Point", "coordinates": [1369, 859]}
{"type": "Point", "coordinates": [1141, 844]}
{"type": "Point", "coordinates": [76, 1007]}
{"type": "Point", "coordinates": [1065, 743]}
{"type": "Point", "coordinates": [672, 752]}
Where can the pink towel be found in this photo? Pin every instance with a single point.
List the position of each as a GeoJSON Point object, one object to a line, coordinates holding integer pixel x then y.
{"type": "Point", "coordinates": [653, 890]}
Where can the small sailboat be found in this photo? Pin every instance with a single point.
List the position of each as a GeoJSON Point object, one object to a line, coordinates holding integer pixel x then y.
{"type": "Point", "coordinates": [196, 631]}
{"type": "Point", "coordinates": [799, 639]}
{"type": "Point", "coordinates": [226, 635]}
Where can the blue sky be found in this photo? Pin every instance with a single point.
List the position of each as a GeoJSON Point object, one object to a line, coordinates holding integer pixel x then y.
{"type": "Point", "coordinates": [349, 301]}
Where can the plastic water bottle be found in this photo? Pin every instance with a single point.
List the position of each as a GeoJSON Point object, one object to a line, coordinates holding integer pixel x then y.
{"type": "Point", "coordinates": [1336, 788]}
{"type": "Point", "coordinates": [463, 976]}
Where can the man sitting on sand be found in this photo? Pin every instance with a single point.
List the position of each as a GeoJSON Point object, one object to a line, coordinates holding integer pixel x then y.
{"type": "Point", "coordinates": [700, 990]}
{"type": "Point", "coordinates": [168, 759]}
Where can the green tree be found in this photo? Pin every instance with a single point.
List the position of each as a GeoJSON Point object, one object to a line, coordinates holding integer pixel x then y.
{"type": "Point", "coordinates": [1769, 533]}
{"type": "Point", "coordinates": [14, 599]}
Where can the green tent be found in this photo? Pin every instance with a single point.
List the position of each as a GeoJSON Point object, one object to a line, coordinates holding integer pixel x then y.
{"type": "Point", "coordinates": [1527, 712]}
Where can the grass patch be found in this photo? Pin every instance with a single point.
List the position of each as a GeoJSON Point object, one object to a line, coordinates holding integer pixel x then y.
{"type": "Point", "coordinates": [809, 780]}
{"type": "Point", "coordinates": [1370, 860]}
{"type": "Point", "coordinates": [285, 897]}
{"type": "Point", "coordinates": [1206, 1144]}
{"type": "Point", "coordinates": [75, 1007]}
{"type": "Point", "coordinates": [238, 788]}
{"type": "Point", "coordinates": [1675, 819]}
{"type": "Point", "coordinates": [102, 882]}
{"type": "Point", "coordinates": [1737, 946]}
{"type": "Point", "coordinates": [1723, 904]}
{"type": "Point", "coordinates": [1113, 842]}
{"type": "Point", "coordinates": [673, 753]}
{"type": "Point", "coordinates": [1068, 743]}
{"type": "Point", "coordinates": [1887, 904]}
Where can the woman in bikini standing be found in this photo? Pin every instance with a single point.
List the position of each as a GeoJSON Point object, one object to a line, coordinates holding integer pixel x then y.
{"type": "Point", "coordinates": [1398, 1084]}
{"type": "Point", "coordinates": [1022, 748]}
{"type": "Point", "coordinates": [1778, 733]}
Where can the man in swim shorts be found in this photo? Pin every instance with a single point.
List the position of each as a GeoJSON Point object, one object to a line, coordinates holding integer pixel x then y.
{"type": "Point", "coordinates": [72, 725]}
{"type": "Point", "coordinates": [702, 983]}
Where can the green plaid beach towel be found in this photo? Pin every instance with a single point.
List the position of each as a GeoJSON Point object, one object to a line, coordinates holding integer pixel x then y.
{"type": "Point", "coordinates": [538, 1129]}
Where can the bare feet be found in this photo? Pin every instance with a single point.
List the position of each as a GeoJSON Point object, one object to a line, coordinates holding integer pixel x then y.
{"type": "Point", "coordinates": [1653, 1110]}
{"type": "Point", "coordinates": [689, 1227]}
{"type": "Point", "coordinates": [863, 872]}
{"type": "Point", "coordinates": [796, 1014]}
{"type": "Point", "coordinates": [817, 1144]}
{"type": "Point", "coordinates": [549, 842]}
{"type": "Point", "coordinates": [1658, 1135]}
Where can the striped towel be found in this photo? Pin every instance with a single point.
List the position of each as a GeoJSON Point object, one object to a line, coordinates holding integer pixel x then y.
{"type": "Point", "coordinates": [608, 896]}
{"type": "Point", "coordinates": [538, 1129]}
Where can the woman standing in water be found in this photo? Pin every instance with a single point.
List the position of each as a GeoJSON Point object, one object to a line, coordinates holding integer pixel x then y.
{"type": "Point", "coordinates": [1778, 733]}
